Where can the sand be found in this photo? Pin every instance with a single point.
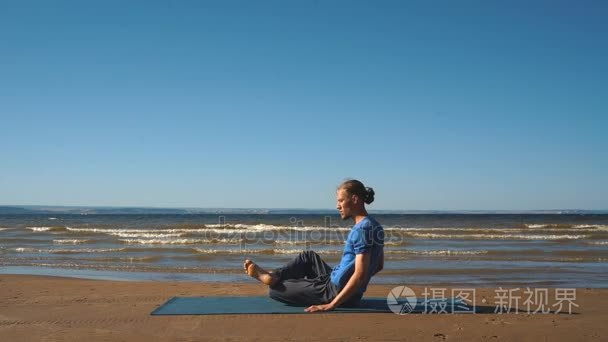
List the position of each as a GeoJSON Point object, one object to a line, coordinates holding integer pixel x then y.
{"type": "Point", "coordinates": [37, 308]}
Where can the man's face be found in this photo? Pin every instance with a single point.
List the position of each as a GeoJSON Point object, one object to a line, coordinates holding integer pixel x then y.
{"type": "Point", "coordinates": [344, 204]}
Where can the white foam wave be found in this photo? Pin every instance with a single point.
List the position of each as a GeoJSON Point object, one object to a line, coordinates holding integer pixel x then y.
{"type": "Point", "coordinates": [416, 229]}
{"type": "Point", "coordinates": [24, 249]}
{"type": "Point", "coordinates": [147, 235]}
{"type": "Point", "coordinates": [246, 228]}
{"type": "Point", "coordinates": [85, 250]}
{"type": "Point", "coordinates": [601, 243]}
{"type": "Point", "coordinates": [458, 232]}
{"type": "Point", "coordinates": [260, 226]}
{"type": "Point", "coordinates": [119, 231]}
{"type": "Point", "coordinates": [268, 227]}
{"type": "Point", "coordinates": [70, 241]}
{"type": "Point", "coordinates": [40, 229]}
{"type": "Point", "coordinates": [593, 227]}
{"type": "Point", "coordinates": [260, 251]}
{"type": "Point", "coordinates": [574, 229]}
{"type": "Point", "coordinates": [215, 225]}
{"type": "Point", "coordinates": [557, 226]}
{"type": "Point", "coordinates": [177, 232]}
{"type": "Point", "coordinates": [133, 232]}
{"type": "Point", "coordinates": [334, 252]}
{"type": "Point", "coordinates": [438, 252]}
{"type": "Point", "coordinates": [65, 251]}
{"type": "Point", "coordinates": [178, 241]}
{"type": "Point", "coordinates": [330, 242]}
{"type": "Point", "coordinates": [537, 225]}
{"type": "Point", "coordinates": [497, 236]}
{"type": "Point", "coordinates": [305, 242]}
{"type": "Point", "coordinates": [238, 228]}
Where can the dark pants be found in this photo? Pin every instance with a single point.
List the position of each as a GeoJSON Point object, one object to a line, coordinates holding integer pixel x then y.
{"type": "Point", "coordinates": [306, 280]}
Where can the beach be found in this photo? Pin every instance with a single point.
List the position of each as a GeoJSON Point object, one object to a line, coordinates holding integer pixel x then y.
{"type": "Point", "coordinates": [98, 277]}
{"type": "Point", "coordinates": [40, 308]}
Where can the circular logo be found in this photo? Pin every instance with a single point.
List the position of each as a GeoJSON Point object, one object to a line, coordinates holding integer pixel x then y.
{"type": "Point", "coordinates": [401, 300]}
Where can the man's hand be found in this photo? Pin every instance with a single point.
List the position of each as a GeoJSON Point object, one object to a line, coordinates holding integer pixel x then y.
{"type": "Point", "coordinates": [323, 307]}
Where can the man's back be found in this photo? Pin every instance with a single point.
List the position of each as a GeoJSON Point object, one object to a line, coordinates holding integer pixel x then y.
{"type": "Point", "coordinates": [367, 236]}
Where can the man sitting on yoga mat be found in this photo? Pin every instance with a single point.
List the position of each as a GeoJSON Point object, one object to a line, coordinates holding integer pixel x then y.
{"type": "Point", "coordinates": [307, 280]}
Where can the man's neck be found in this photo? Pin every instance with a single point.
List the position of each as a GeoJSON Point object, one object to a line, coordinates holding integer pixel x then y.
{"type": "Point", "coordinates": [359, 217]}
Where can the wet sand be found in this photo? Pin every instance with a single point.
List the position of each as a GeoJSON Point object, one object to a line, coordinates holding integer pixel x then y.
{"type": "Point", "coordinates": [39, 308]}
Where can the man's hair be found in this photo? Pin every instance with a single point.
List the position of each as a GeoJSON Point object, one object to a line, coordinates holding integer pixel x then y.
{"type": "Point", "coordinates": [355, 187]}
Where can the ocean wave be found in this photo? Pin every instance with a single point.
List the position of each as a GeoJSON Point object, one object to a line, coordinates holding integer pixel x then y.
{"type": "Point", "coordinates": [536, 225]}
{"type": "Point", "coordinates": [601, 243]}
{"type": "Point", "coordinates": [260, 226]}
{"type": "Point", "coordinates": [12, 240]}
{"type": "Point", "coordinates": [274, 227]}
{"type": "Point", "coordinates": [564, 226]}
{"type": "Point", "coordinates": [595, 227]}
{"type": "Point", "coordinates": [70, 241]}
{"type": "Point", "coordinates": [331, 242]}
{"type": "Point", "coordinates": [237, 228]}
{"type": "Point", "coordinates": [150, 259]}
{"type": "Point", "coordinates": [47, 229]}
{"type": "Point", "coordinates": [548, 225]}
{"type": "Point", "coordinates": [497, 236]}
{"type": "Point", "coordinates": [308, 242]}
{"type": "Point", "coordinates": [157, 248]}
{"type": "Point", "coordinates": [66, 251]}
{"type": "Point", "coordinates": [238, 241]}
{"type": "Point", "coordinates": [539, 229]}
{"type": "Point", "coordinates": [335, 252]}
{"type": "Point", "coordinates": [193, 235]}
{"type": "Point", "coordinates": [150, 232]}
{"type": "Point", "coordinates": [268, 227]}
{"type": "Point", "coordinates": [126, 230]}
{"type": "Point", "coordinates": [85, 250]}
{"type": "Point", "coordinates": [460, 229]}
{"type": "Point", "coordinates": [243, 228]}
{"type": "Point", "coordinates": [147, 235]}
{"type": "Point", "coordinates": [178, 241]}
{"type": "Point", "coordinates": [437, 252]}
{"type": "Point", "coordinates": [24, 249]}
{"type": "Point", "coordinates": [261, 251]}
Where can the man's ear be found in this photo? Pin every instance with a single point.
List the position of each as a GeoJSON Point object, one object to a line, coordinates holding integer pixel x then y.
{"type": "Point", "coordinates": [355, 199]}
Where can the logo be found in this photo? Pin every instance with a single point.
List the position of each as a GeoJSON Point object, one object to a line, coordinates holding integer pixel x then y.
{"type": "Point", "coordinates": [401, 300]}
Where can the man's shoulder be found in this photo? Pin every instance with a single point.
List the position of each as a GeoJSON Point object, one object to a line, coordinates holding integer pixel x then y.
{"type": "Point", "coordinates": [368, 223]}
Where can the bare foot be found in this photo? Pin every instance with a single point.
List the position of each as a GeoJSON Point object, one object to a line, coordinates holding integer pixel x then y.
{"type": "Point", "coordinates": [255, 271]}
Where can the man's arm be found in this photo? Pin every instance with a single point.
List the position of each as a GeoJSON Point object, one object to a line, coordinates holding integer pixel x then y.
{"type": "Point", "coordinates": [351, 287]}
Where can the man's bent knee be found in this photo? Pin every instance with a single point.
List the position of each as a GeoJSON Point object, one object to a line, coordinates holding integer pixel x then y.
{"type": "Point", "coordinates": [309, 253]}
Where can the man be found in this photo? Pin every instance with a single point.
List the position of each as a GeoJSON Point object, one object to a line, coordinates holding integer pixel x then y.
{"type": "Point", "coordinates": [307, 280]}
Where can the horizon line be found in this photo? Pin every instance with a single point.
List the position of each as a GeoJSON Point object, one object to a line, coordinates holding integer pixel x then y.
{"type": "Point", "coordinates": [284, 208]}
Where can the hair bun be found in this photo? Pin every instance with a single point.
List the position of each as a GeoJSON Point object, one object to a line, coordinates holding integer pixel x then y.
{"type": "Point", "coordinates": [369, 196]}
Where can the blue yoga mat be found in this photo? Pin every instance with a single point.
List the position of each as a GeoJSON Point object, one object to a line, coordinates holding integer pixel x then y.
{"type": "Point", "coordinates": [266, 305]}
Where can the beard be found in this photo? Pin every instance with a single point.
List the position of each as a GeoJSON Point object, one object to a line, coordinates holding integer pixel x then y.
{"type": "Point", "coordinates": [345, 217]}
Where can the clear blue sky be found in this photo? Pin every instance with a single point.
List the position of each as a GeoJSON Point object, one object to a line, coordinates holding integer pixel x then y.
{"type": "Point", "coordinates": [436, 104]}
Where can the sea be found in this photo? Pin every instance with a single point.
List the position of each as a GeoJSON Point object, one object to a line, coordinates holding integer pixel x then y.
{"type": "Point", "coordinates": [475, 250]}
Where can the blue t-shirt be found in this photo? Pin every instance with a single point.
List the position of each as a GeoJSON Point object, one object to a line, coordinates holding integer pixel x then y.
{"type": "Point", "coordinates": [367, 236]}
